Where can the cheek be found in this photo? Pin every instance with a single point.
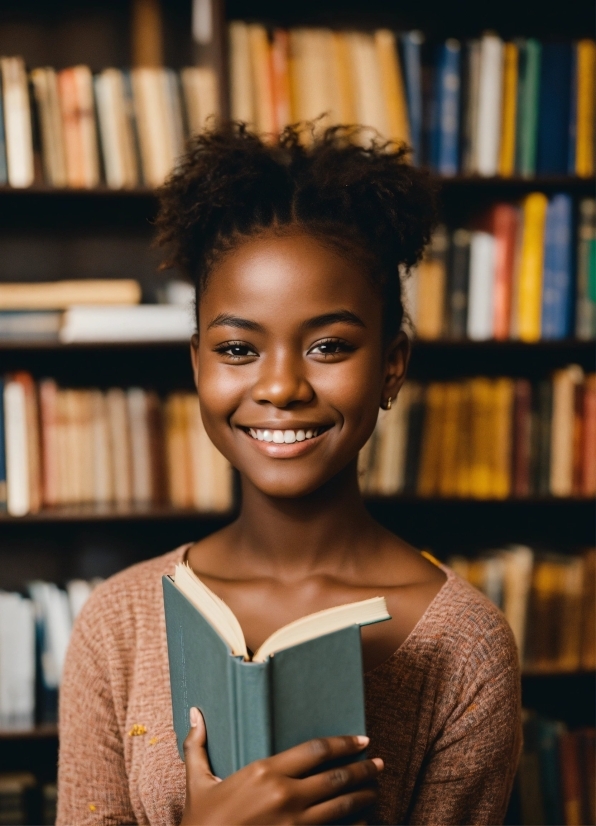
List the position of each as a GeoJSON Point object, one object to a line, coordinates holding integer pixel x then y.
{"type": "Point", "coordinates": [220, 392]}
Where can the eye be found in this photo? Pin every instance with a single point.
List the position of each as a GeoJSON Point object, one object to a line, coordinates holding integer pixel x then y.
{"type": "Point", "coordinates": [330, 347]}
{"type": "Point", "coordinates": [236, 350]}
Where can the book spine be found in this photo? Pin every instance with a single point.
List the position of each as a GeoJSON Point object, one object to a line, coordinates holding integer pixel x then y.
{"type": "Point", "coordinates": [530, 274]}
{"type": "Point", "coordinates": [482, 268]}
{"type": "Point", "coordinates": [509, 110]}
{"type": "Point", "coordinates": [252, 710]}
{"type": "Point", "coordinates": [448, 103]}
{"type": "Point", "coordinates": [553, 110]}
{"type": "Point", "coordinates": [458, 284]}
{"type": "Point", "coordinates": [411, 47]}
{"type": "Point", "coordinates": [556, 288]}
{"type": "Point", "coordinates": [573, 110]}
{"type": "Point", "coordinates": [3, 165]}
{"type": "Point", "coordinates": [584, 146]}
{"type": "Point", "coordinates": [2, 450]}
{"type": "Point", "coordinates": [488, 123]}
{"type": "Point", "coordinates": [527, 124]}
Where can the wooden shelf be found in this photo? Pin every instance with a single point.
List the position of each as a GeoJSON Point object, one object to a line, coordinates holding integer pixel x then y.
{"type": "Point", "coordinates": [42, 731]}
{"type": "Point", "coordinates": [114, 513]}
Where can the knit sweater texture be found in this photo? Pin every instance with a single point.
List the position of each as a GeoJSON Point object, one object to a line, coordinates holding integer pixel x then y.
{"type": "Point", "coordinates": [443, 711]}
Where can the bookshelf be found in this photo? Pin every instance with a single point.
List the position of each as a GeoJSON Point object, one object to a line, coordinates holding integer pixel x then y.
{"type": "Point", "coordinates": [80, 233]}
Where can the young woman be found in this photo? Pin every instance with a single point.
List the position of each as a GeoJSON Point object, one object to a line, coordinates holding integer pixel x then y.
{"type": "Point", "coordinates": [295, 248]}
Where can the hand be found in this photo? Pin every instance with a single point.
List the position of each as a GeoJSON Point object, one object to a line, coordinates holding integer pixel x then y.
{"type": "Point", "coordinates": [276, 790]}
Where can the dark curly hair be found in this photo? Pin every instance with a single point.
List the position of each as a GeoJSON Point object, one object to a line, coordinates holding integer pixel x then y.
{"type": "Point", "coordinates": [344, 185]}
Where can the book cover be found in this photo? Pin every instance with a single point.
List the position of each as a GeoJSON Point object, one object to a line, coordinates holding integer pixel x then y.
{"type": "Point", "coordinates": [241, 83]}
{"type": "Point", "coordinates": [415, 428]}
{"type": "Point", "coordinates": [398, 128]}
{"type": "Point", "coordinates": [588, 483]}
{"type": "Point", "coordinates": [481, 292]}
{"type": "Point", "coordinates": [469, 105]}
{"type": "Point", "coordinates": [262, 79]}
{"type": "Point", "coordinates": [457, 289]}
{"type": "Point", "coordinates": [488, 119]}
{"type": "Point", "coordinates": [253, 709]}
{"type": "Point", "coordinates": [446, 134]}
{"type": "Point", "coordinates": [561, 466]}
{"type": "Point", "coordinates": [2, 450]}
{"type": "Point", "coordinates": [3, 164]}
{"type": "Point", "coordinates": [505, 221]}
{"type": "Point", "coordinates": [280, 76]}
{"type": "Point", "coordinates": [432, 440]}
{"type": "Point", "coordinates": [548, 734]}
{"type": "Point", "coordinates": [557, 274]}
{"type": "Point", "coordinates": [570, 768]}
{"type": "Point", "coordinates": [527, 107]}
{"type": "Point", "coordinates": [585, 319]}
{"type": "Point", "coordinates": [553, 110]}
{"type": "Point", "coordinates": [584, 134]}
{"type": "Point", "coordinates": [509, 110]}
{"type": "Point", "coordinates": [432, 286]}
{"type": "Point", "coordinates": [522, 438]}
{"type": "Point", "coordinates": [17, 122]}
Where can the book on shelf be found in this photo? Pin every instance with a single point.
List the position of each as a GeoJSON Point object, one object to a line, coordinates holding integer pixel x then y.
{"type": "Point", "coordinates": [486, 438]}
{"type": "Point", "coordinates": [493, 107]}
{"type": "Point", "coordinates": [548, 600]}
{"type": "Point", "coordinates": [304, 681]}
{"type": "Point", "coordinates": [510, 276]}
{"type": "Point", "coordinates": [120, 446]}
{"type": "Point", "coordinates": [59, 295]}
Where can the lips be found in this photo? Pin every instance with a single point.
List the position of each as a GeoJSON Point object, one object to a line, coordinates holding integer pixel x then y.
{"type": "Point", "coordinates": [287, 436]}
{"type": "Point", "coordinates": [285, 443]}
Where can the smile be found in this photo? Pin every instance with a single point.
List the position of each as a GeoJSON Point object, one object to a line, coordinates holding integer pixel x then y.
{"type": "Point", "coordinates": [287, 437]}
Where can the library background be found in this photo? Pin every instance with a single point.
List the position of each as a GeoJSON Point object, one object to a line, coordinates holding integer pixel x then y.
{"type": "Point", "coordinates": [488, 460]}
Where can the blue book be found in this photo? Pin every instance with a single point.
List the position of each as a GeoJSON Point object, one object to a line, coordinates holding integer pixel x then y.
{"type": "Point", "coordinates": [548, 734]}
{"type": "Point", "coordinates": [411, 44]}
{"type": "Point", "coordinates": [572, 113]}
{"type": "Point", "coordinates": [2, 450]}
{"type": "Point", "coordinates": [445, 136]}
{"type": "Point", "coordinates": [3, 163]}
{"type": "Point", "coordinates": [552, 151]}
{"type": "Point", "coordinates": [557, 274]}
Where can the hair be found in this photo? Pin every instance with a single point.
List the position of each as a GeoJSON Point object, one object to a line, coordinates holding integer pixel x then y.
{"type": "Point", "coordinates": [344, 185]}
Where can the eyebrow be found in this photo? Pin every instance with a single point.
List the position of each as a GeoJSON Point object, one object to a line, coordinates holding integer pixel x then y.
{"type": "Point", "coordinates": [336, 317]}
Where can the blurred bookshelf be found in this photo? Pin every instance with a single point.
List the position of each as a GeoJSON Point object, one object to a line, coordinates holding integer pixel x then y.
{"type": "Point", "coordinates": [59, 232]}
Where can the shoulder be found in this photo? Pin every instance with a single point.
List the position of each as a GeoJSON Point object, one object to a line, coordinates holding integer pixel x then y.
{"type": "Point", "coordinates": [130, 598]}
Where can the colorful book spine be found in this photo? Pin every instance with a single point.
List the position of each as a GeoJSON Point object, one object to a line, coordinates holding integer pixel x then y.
{"type": "Point", "coordinates": [527, 107]}
{"type": "Point", "coordinates": [2, 450]}
{"type": "Point", "coordinates": [509, 111]}
{"type": "Point", "coordinates": [552, 151]}
{"type": "Point", "coordinates": [448, 88]}
{"type": "Point", "coordinates": [584, 146]}
{"type": "Point", "coordinates": [531, 266]}
{"type": "Point", "coordinates": [557, 276]}
{"type": "Point", "coordinates": [3, 165]}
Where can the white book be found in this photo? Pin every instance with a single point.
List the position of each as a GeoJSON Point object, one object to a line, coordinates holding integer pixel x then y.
{"type": "Point", "coordinates": [109, 96]}
{"type": "Point", "coordinates": [17, 661]}
{"type": "Point", "coordinates": [517, 580]}
{"type": "Point", "coordinates": [367, 82]}
{"type": "Point", "coordinates": [482, 278]}
{"type": "Point", "coordinates": [53, 611]}
{"type": "Point", "coordinates": [17, 454]}
{"type": "Point", "coordinates": [79, 591]}
{"type": "Point", "coordinates": [199, 87]}
{"type": "Point", "coordinates": [488, 123]}
{"type": "Point", "coordinates": [17, 122]}
{"type": "Point", "coordinates": [150, 105]}
{"type": "Point", "coordinates": [145, 322]}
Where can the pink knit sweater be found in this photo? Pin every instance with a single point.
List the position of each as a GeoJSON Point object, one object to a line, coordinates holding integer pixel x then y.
{"type": "Point", "coordinates": [443, 711]}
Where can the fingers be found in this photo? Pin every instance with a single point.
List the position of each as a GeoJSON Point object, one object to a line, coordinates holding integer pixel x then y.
{"type": "Point", "coordinates": [195, 752]}
{"type": "Point", "coordinates": [302, 759]}
{"type": "Point", "coordinates": [339, 808]}
{"type": "Point", "coordinates": [334, 781]}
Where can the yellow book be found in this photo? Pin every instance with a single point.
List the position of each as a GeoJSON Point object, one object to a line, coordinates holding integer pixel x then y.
{"type": "Point", "coordinates": [260, 60]}
{"type": "Point", "coordinates": [502, 442]}
{"type": "Point", "coordinates": [481, 437]}
{"type": "Point", "coordinates": [345, 107]}
{"type": "Point", "coordinates": [464, 441]}
{"type": "Point", "coordinates": [242, 106]}
{"type": "Point", "coordinates": [509, 110]}
{"type": "Point", "coordinates": [530, 269]}
{"type": "Point", "coordinates": [430, 457]}
{"type": "Point", "coordinates": [448, 477]}
{"type": "Point", "coordinates": [584, 146]}
{"type": "Point", "coordinates": [392, 86]}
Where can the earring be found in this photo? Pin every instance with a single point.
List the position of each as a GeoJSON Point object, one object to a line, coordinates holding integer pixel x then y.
{"type": "Point", "coordinates": [388, 404]}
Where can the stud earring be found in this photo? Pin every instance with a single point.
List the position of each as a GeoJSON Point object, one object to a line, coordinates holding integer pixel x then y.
{"type": "Point", "coordinates": [388, 404]}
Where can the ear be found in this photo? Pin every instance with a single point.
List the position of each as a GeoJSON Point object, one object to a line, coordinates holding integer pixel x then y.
{"type": "Point", "coordinates": [194, 357]}
{"type": "Point", "coordinates": [397, 358]}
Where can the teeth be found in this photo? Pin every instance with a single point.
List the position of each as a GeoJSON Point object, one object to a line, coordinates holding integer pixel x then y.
{"type": "Point", "coordinates": [287, 437]}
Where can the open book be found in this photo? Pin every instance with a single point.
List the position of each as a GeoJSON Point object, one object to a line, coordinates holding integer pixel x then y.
{"type": "Point", "coordinates": [304, 681]}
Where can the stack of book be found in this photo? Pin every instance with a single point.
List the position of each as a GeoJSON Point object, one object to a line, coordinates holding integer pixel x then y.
{"type": "Point", "coordinates": [487, 438]}
{"type": "Point", "coordinates": [555, 780]}
{"type": "Point", "coordinates": [93, 310]}
{"type": "Point", "coordinates": [549, 601]}
{"type": "Point", "coordinates": [484, 106]}
{"type": "Point", "coordinates": [522, 272]}
{"type": "Point", "coordinates": [120, 128]}
{"type": "Point", "coordinates": [34, 635]}
{"type": "Point", "coordinates": [121, 447]}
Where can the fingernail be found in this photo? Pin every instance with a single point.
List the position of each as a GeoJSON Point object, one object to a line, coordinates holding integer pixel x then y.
{"type": "Point", "coordinates": [362, 740]}
{"type": "Point", "coordinates": [194, 717]}
{"type": "Point", "coordinates": [379, 763]}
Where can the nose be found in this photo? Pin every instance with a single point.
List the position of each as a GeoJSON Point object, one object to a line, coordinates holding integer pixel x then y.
{"type": "Point", "coordinates": [282, 382]}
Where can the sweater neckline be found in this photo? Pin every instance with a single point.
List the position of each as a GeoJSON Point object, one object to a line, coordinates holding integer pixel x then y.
{"type": "Point", "coordinates": [433, 606]}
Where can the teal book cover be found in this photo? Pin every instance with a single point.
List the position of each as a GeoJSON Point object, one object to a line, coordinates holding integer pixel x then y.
{"type": "Point", "coordinates": [256, 709]}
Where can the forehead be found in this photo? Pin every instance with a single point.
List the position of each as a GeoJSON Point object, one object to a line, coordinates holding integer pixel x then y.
{"type": "Point", "coordinates": [285, 278]}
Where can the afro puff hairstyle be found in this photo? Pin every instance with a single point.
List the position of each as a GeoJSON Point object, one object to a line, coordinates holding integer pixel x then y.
{"type": "Point", "coordinates": [343, 185]}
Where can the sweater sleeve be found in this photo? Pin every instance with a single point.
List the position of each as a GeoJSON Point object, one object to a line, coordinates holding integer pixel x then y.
{"type": "Point", "coordinates": [468, 774]}
{"type": "Point", "coordinates": [92, 779]}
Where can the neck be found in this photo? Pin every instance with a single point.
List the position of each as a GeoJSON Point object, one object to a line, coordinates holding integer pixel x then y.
{"type": "Point", "coordinates": [294, 538]}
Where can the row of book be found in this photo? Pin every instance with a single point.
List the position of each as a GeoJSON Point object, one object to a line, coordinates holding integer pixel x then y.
{"type": "Point", "coordinates": [556, 775]}
{"type": "Point", "coordinates": [486, 438]}
{"type": "Point", "coordinates": [72, 447]}
{"type": "Point", "coordinates": [24, 799]}
{"type": "Point", "coordinates": [483, 106]}
{"type": "Point", "coordinates": [94, 310]}
{"type": "Point", "coordinates": [125, 129]}
{"type": "Point", "coordinates": [524, 271]}
{"type": "Point", "coordinates": [549, 600]}
{"type": "Point", "coordinates": [34, 635]}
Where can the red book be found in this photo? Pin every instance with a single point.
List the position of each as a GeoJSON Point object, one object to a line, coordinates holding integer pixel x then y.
{"type": "Point", "coordinates": [522, 441]}
{"type": "Point", "coordinates": [505, 219]}
{"type": "Point", "coordinates": [588, 484]}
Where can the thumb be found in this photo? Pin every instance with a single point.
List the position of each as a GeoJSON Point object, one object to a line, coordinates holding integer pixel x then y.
{"type": "Point", "coordinates": [198, 770]}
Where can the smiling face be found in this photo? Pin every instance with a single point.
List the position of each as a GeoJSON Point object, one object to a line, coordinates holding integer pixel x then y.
{"type": "Point", "coordinates": [290, 364]}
